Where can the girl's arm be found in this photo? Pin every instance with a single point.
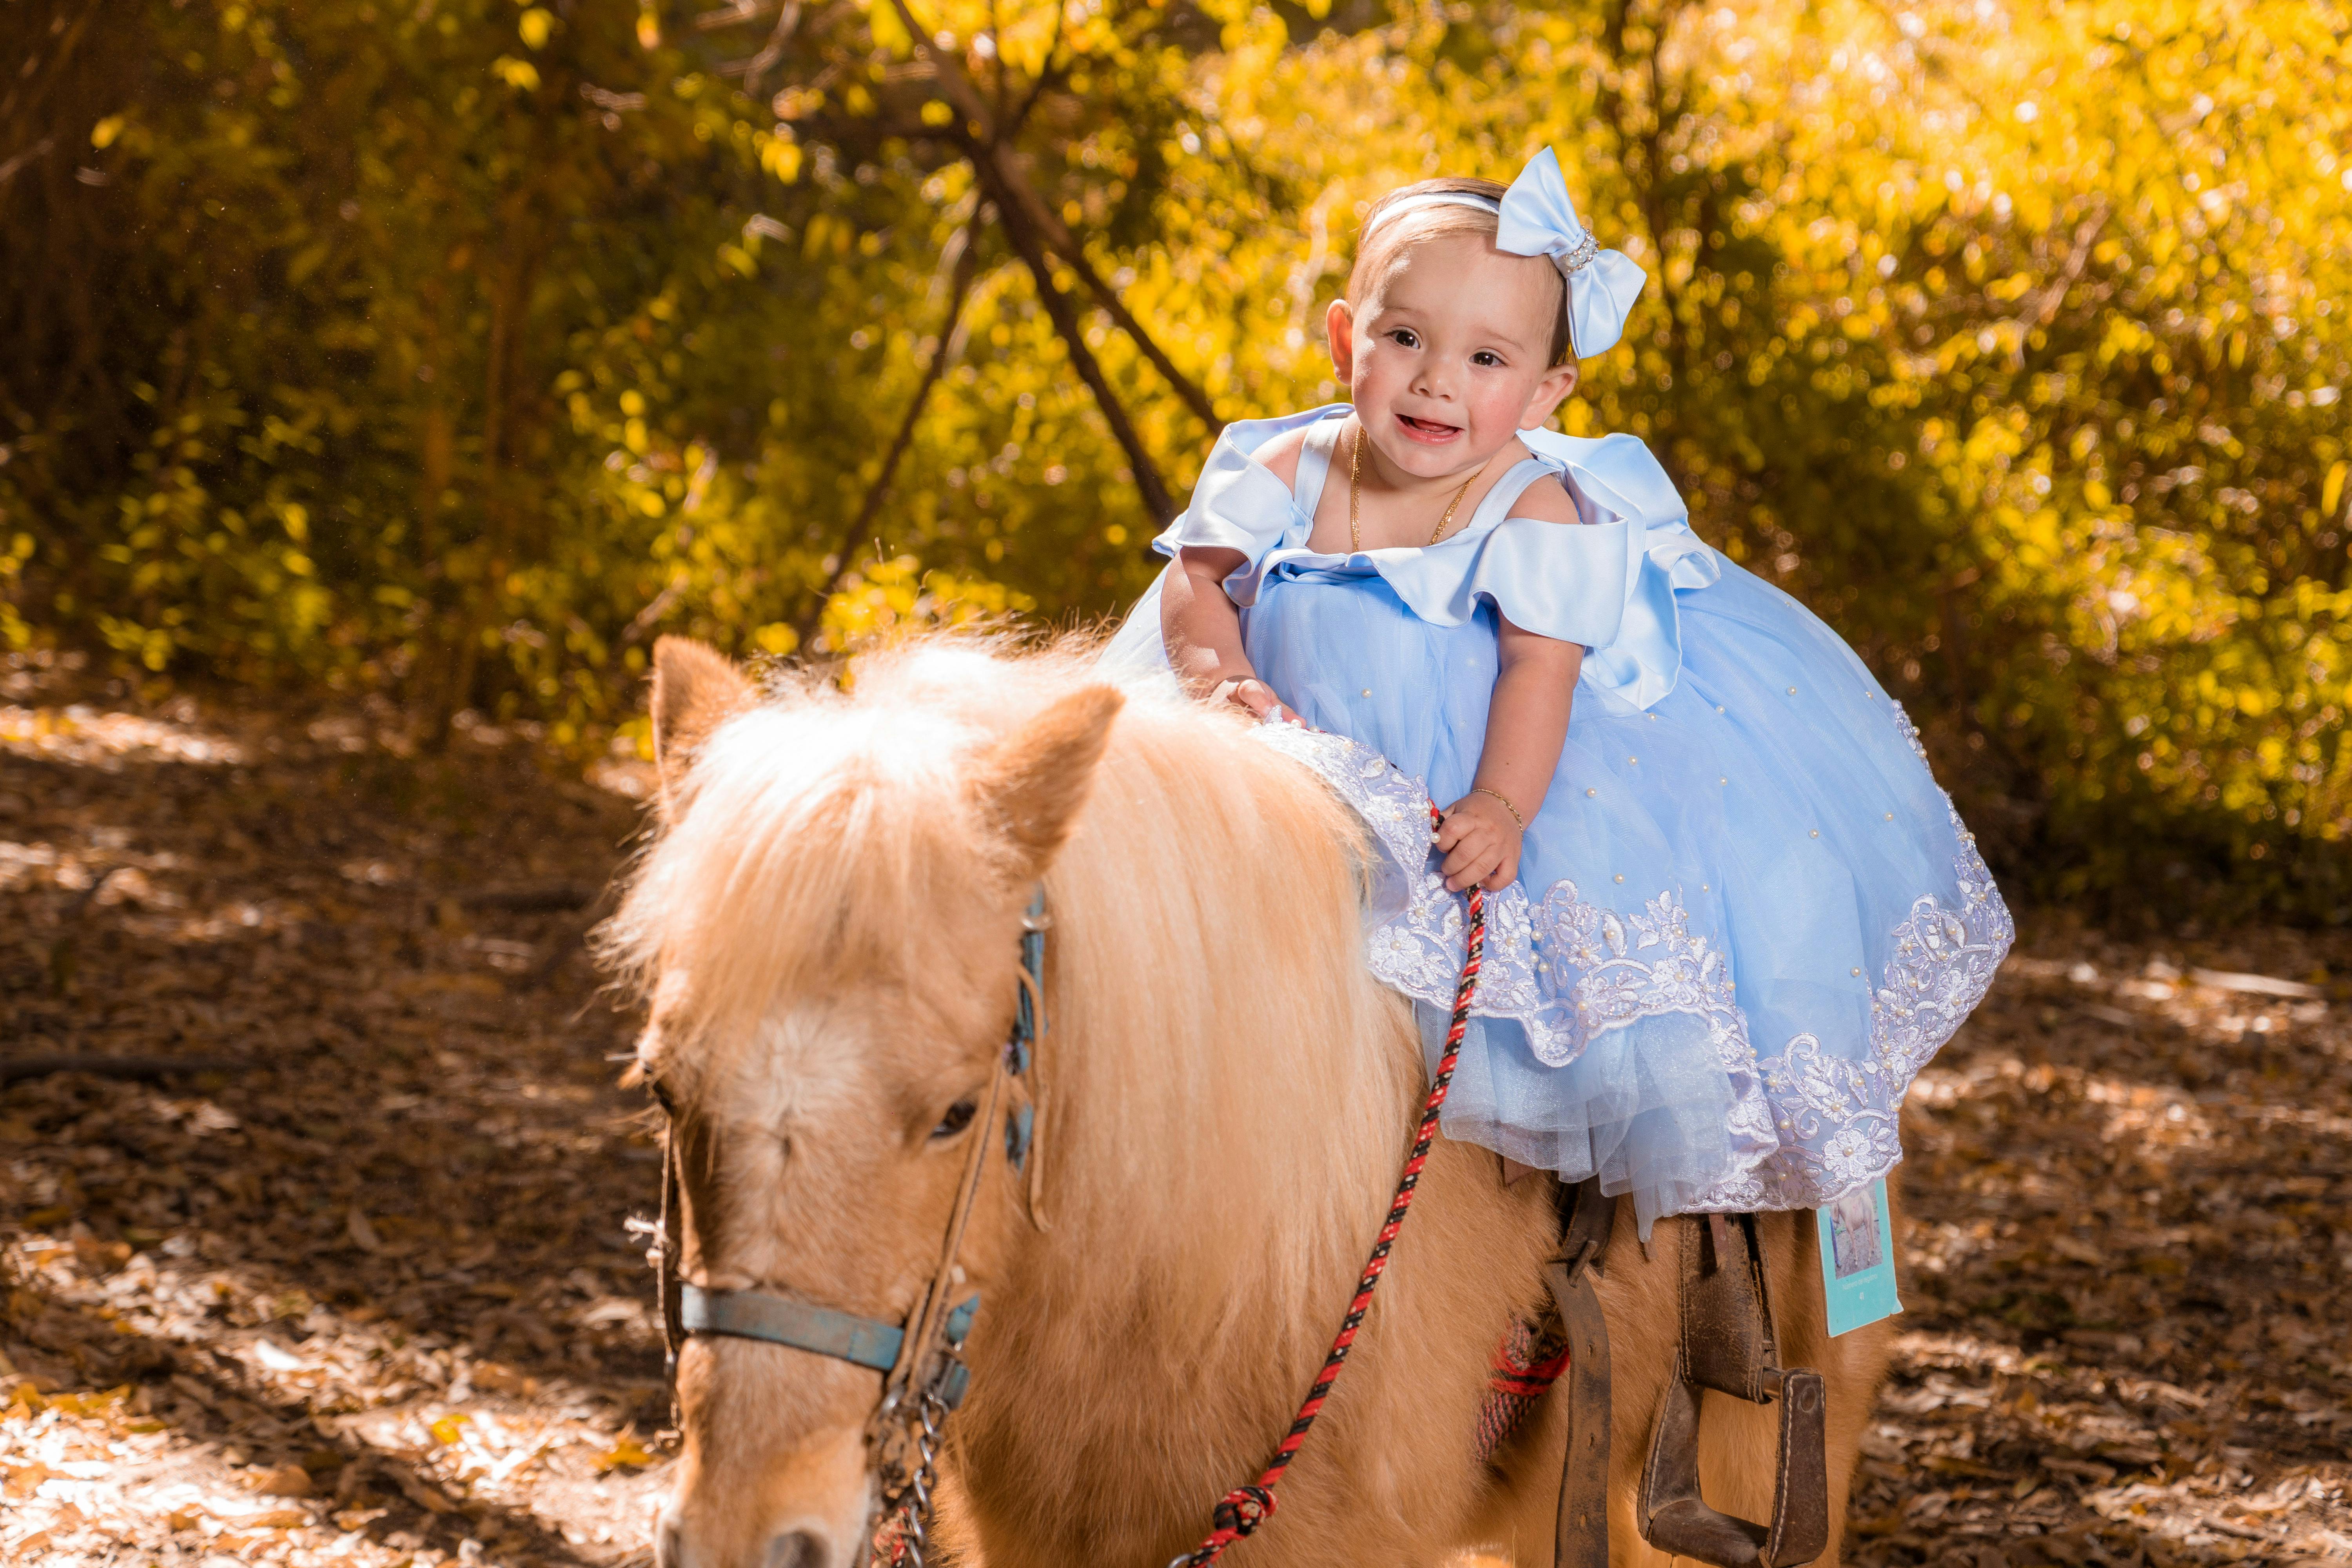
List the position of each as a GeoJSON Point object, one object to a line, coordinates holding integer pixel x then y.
{"type": "Point", "coordinates": [1203, 630]}
{"type": "Point", "coordinates": [1198, 623]}
{"type": "Point", "coordinates": [1527, 725]}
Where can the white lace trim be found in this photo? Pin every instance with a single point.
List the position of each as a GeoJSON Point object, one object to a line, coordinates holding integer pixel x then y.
{"type": "Point", "coordinates": [1840, 1118]}
{"type": "Point", "coordinates": [1806, 1125]}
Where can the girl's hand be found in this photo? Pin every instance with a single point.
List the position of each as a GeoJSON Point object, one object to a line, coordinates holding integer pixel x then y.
{"type": "Point", "coordinates": [1480, 844]}
{"type": "Point", "coordinates": [1253, 694]}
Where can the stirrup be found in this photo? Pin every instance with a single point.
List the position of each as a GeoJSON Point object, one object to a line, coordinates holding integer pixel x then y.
{"type": "Point", "coordinates": [1728, 1344]}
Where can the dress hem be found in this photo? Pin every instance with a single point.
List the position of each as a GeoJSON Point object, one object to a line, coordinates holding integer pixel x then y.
{"type": "Point", "coordinates": [1806, 1125]}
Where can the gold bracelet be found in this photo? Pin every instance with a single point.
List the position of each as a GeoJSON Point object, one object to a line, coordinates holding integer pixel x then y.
{"type": "Point", "coordinates": [1482, 789]}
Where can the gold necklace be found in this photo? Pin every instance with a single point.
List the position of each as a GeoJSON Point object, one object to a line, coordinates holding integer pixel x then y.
{"type": "Point", "coordinates": [1355, 495]}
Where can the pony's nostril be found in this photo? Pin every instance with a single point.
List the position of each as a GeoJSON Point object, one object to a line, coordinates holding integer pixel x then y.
{"type": "Point", "coordinates": [798, 1549]}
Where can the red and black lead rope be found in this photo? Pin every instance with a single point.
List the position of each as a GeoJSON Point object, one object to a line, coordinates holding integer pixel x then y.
{"type": "Point", "coordinates": [1245, 1508]}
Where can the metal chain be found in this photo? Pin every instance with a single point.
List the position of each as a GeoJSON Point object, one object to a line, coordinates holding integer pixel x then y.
{"type": "Point", "coordinates": [903, 1543]}
{"type": "Point", "coordinates": [919, 1490]}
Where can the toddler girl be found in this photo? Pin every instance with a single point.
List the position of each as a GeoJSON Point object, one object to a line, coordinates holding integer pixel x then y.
{"type": "Point", "coordinates": [1732, 912]}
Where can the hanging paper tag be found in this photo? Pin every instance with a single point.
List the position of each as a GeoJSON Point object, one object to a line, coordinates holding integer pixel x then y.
{"type": "Point", "coordinates": [1858, 1258]}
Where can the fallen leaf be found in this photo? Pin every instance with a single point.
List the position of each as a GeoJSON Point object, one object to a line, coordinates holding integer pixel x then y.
{"type": "Point", "coordinates": [501, 1379]}
{"type": "Point", "coordinates": [423, 1495]}
{"type": "Point", "coordinates": [273, 1519]}
{"type": "Point", "coordinates": [267, 1352]}
{"type": "Point", "coordinates": [283, 1480]}
{"type": "Point", "coordinates": [625, 1451]}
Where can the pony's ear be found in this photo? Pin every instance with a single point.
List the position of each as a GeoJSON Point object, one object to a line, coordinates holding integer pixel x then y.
{"type": "Point", "coordinates": [695, 687]}
{"type": "Point", "coordinates": [1031, 783]}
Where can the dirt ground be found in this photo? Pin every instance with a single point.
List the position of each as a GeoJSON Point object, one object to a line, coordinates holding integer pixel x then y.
{"type": "Point", "coordinates": [353, 1288]}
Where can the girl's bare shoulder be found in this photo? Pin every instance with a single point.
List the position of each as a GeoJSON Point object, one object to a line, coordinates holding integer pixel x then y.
{"type": "Point", "coordinates": [1547, 500]}
{"type": "Point", "coordinates": [1280, 455]}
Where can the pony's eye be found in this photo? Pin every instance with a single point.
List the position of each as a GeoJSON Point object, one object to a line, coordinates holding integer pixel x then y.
{"type": "Point", "coordinates": [958, 1117]}
{"type": "Point", "coordinates": [662, 1099]}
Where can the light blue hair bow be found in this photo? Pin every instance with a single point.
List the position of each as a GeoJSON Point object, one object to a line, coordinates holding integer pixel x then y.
{"type": "Point", "coordinates": [1535, 218]}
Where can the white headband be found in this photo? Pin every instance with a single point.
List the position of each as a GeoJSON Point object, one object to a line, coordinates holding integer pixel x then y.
{"type": "Point", "coordinates": [1537, 219]}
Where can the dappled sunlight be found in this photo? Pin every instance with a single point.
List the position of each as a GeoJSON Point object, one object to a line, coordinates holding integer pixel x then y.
{"type": "Point", "coordinates": [91, 737]}
{"type": "Point", "coordinates": [2127, 1264]}
{"type": "Point", "coordinates": [298, 1429]}
{"type": "Point", "coordinates": [351, 1284]}
{"type": "Point", "coordinates": [370, 1252]}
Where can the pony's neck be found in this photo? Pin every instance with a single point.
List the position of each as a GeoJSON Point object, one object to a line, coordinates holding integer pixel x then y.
{"type": "Point", "coordinates": [1226, 1094]}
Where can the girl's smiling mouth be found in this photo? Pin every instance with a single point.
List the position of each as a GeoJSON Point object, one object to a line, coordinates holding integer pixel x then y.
{"type": "Point", "coordinates": [1427, 430]}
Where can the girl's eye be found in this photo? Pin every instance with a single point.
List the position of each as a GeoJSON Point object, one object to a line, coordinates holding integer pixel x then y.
{"type": "Point", "coordinates": [1405, 338]}
{"type": "Point", "coordinates": [958, 1117]}
{"type": "Point", "coordinates": [1483, 358]}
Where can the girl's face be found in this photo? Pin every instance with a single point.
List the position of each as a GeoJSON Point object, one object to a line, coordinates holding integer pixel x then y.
{"type": "Point", "coordinates": [1449, 357]}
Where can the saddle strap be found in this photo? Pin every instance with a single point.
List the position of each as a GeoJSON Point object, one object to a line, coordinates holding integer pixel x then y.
{"type": "Point", "coordinates": [1727, 1318]}
{"type": "Point", "coordinates": [1729, 1345]}
{"type": "Point", "coordinates": [1581, 1539]}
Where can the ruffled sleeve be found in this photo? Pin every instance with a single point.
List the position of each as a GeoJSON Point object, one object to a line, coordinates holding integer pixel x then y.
{"type": "Point", "coordinates": [1238, 504]}
{"type": "Point", "coordinates": [1616, 480]}
{"type": "Point", "coordinates": [1609, 584]}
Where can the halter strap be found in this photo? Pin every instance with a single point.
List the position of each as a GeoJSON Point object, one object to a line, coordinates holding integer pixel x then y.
{"type": "Point", "coordinates": [821, 1331]}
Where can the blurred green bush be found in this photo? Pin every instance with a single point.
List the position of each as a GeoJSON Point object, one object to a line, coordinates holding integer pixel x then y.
{"type": "Point", "coordinates": [454, 349]}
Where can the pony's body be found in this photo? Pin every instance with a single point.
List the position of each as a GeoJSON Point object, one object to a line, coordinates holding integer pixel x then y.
{"type": "Point", "coordinates": [827, 933]}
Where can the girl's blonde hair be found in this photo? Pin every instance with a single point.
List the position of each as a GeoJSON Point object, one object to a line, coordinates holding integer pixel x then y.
{"type": "Point", "coordinates": [1386, 242]}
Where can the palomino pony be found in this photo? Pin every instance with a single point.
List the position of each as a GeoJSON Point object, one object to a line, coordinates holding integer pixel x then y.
{"type": "Point", "coordinates": [827, 932]}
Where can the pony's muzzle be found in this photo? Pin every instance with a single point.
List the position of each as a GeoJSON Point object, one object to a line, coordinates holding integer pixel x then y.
{"type": "Point", "coordinates": [798, 1547]}
{"type": "Point", "coordinates": [807, 1506]}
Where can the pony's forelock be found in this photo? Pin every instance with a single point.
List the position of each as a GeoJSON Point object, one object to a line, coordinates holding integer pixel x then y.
{"type": "Point", "coordinates": [814, 833]}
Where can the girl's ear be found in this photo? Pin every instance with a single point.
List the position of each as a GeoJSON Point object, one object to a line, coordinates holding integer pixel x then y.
{"type": "Point", "coordinates": [1340, 328]}
{"type": "Point", "coordinates": [1549, 394]}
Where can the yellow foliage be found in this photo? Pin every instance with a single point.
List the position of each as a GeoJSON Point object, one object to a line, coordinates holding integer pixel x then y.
{"type": "Point", "coordinates": [2012, 340]}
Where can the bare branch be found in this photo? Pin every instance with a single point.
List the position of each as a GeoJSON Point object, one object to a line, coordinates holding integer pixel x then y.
{"type": "Point", "coordinates": [994, 164]}
{"type": "Point", "coordinates": [37, 149]}
{"type": "Point", "coordinates": [1025, 241]}
{"type": "Point", "coordinates": [967, 265]}
{"type": "Point", "coordinates": [759, 65]}
{"type": "Point", "coordinates": [733, 16]}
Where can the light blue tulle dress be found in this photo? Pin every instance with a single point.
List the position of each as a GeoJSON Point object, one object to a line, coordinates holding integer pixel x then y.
{"type": "Point", "coordinates": [1746, 915]}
